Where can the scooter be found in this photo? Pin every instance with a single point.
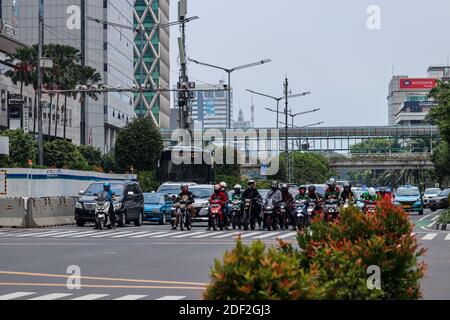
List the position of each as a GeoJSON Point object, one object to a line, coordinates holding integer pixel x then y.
{"type": "Point", "coordinates": [269, 214]}
{"type": "Point", "coordinates": [102, 212]}
{"type": "Point", "coordinates": [236, 218]}
{"type": "Point", "coordinates": [185, 217]}
{"type": "Point", "coordinates": [370, 206]}
{"type": "Point", "coordinates": [301, 214]}
{"type": "Point", "coordinates": [216, 215]}
{"type": "Point", "coordinates": [247, 214]}
{"type": "Point", "coordinates": [331, 209]}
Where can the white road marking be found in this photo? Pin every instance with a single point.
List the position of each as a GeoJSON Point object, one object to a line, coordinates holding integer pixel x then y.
{"type": "Point", "coordinates": [131, 297]}
{"type": "Point", "coordinates": [52, 234]}
{"type": "Point", "coordinates": [269, 234]}
{"type": "Point", "coordinates": [288, 235]}
{"type": "Point", "coordinates": [188, 234]}
{"type": "Point", "coordinates": [147, 234]}
{"type": "Point", "coordinates": [91, 297]}
{"type": "Point", "coordinates": [127, 234]}
{"type": "Point", "coordinates": [435, 218]}
{"type": "Point", "coordinates": [431, 224]}
{"type": "Point", "coordinates": [430, 236]}
{"type": "Point", "coordinates": [109, 233]}
{"type": "Point", "coordinates": [246, 235]}
{"type": "Point", "coordinates": [52, 296]}
{"type": "Point", "coordinates": [171, 298]}
{"type": "Point", "coordinates": [65, 235]}
{"type": "Point", "coordinates": [226, 235]}
{"type": "Point", "coordinates": [84, 234]}
{"type": "Point", "coordinates": [447, 237]}
{"type": "Point", "coordinates": [208, 234]}
{"type": "Point", "coordinates": [28, 234]}
{"type": "Point", "coordinates": [167, 234]}
{"type": "Point", "coordinates": [16, 295]}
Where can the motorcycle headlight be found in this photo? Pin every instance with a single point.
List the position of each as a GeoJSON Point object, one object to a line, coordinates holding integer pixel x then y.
{"type": "Point", "coordinates": [78, 205]}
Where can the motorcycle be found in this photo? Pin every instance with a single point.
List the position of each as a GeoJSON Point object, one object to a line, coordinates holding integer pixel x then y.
{"type": "Point", "coordinates": [236, 218]}
{"type": "Point", "coordinates": [369, 206]}
{"type": "Point", "coordinates": [300, 214]}
{"type": "Point", "coordinates": [102, 208]}
{"type": "Point", "coordinates": [269, 214]}
{"type": "Point", "coordinates": [216, 215]}
{"type": "Point", "coordinates": [246, 216]}
{"type": "Point", "coordinates": [184, 216]}
{"type": "Point", "coordinates": [283, 217]}
{"type": "Point", "coordinates": [331, 209]}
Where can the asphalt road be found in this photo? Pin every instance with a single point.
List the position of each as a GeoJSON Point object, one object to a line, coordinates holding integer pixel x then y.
{"type": "Point", "coordinates": [151, 262]}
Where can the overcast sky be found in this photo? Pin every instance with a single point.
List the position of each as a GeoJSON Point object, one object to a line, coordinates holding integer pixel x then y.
{"type": "Point", "coordinates": [324, 46]}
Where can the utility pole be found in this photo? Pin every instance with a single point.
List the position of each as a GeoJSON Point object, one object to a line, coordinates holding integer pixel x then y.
{"type": "Point", "coordinates": [286, 147]}
{"type": "Point", "coordinates": [83, 64]}
{"type": "Point", "coordinates": [40, 76]}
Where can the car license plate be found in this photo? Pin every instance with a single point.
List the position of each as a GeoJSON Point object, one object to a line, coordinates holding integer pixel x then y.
{"type": "Point", "coordinates": [155, 211]}
{"type": "Point", "coordinates": [407, 206]}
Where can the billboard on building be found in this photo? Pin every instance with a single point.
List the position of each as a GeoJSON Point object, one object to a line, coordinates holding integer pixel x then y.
{"type": "Point", "coordinates": [410, 83]}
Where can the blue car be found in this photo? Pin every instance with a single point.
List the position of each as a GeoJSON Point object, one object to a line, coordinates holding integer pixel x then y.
{"type": "Point", "coordinates": [157, 207]}
{"type": "Point", "coordinates": [410, 199]}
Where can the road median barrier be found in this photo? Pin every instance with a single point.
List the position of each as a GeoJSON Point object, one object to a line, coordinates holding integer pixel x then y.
{"type": "Point", "coordinates": [12, 213]}
{"type": "Point", "coordinates": [50, 212]}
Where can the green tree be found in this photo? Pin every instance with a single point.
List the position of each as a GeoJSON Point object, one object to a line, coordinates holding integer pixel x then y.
{"type": "Point", "coordinates": [441, 159]}
{"type": "Point", "coordinates": [109, 162]}
{"type": "Point", "coordinates": [139, 145]}
{"type": "Point", "coordinates": [92, 155]}
{"type": "Point", "coordinates": [148, 181]}
{"type": "Point", "coordinates": [375, 146]}
{"type": "Point", "coordinates": [24, 62]}
{"type": "Point", "coordinates": [440, 114]}
{"type": "Point", "coordinates": [22, 147]}
{"type": "Point", "coordinates": [63, 154]}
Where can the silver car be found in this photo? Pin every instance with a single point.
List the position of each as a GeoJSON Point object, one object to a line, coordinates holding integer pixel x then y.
{"type": "Point", "coordinates": [429, 194]}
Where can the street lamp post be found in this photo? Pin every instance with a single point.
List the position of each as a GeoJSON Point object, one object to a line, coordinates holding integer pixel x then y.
{"type": "Point", "coordinates": [302, 127]}
{"type": "Point", "coordinates": [293, 117]}
{"type": "Point", "coordinates": [229, 71]}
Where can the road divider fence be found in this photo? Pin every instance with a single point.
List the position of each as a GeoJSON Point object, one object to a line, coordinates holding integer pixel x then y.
{"type": "Point", "coordinates": [37, 212]}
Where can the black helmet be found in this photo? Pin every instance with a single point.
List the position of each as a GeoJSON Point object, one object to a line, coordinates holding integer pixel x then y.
{"type": "Point", "coordinates": [347, 186]}
{"type": "Point", "coordinates": [312, 189]}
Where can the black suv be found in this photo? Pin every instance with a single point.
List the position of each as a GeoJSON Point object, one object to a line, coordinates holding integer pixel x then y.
{"type": "Point", "coordinates": [128, 204]}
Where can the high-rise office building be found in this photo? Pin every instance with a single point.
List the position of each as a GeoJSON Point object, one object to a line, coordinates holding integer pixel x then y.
{"type": "Point", "coordinates": [154, 68]}
{"type": "Point", "coordinates": [408, 99]}
{"type": "Point", "coordinates": [107, 48]}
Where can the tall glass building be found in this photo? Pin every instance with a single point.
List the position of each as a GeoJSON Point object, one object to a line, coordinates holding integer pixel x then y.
{"type": "Point", "coordinates": [108, 49]}
{"type": "Point", "coordinates": [154, 66]}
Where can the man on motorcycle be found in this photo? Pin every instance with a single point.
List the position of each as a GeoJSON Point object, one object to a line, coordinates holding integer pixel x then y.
{"type": "Point", "coordinates": [301, 194]}
{"type": "Point", "coordinates": [186, 196]}
{"type": "Point", "coordinates": [237, 194]}
{"type": "Point", "coordinates": [220, 196]}
{"type": "Point", "coordinates": [288, 199]}
{"type": "Point", "coordinates": [370, 195]}
{"type": "Point", "coordinates": [332, 191]}
{"type": "Point", "coordinates": [314, 196]}
{"type": "Point", "coordinates": [110, 198]}
{"type": "Point", "coordinates": [276, 196]}
{"type": "Point", "coordinates": [347, 194]}
{"type": "Point", "coordinates": [252, 193]}
{"type": "Point", "coordinates": [226, 211]}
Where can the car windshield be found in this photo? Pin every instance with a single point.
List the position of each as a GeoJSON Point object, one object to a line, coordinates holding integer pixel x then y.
{"type": "Point", "coordinates": [444, 193]}
{"type": "Point", "coordinates": [169, 190]}
{"type": "Point", "coordinates": [202, 192]}
{"type": "Point", "coordinates": [408, 192]}
{"type": "Point", "coordinates": [96, 188]}
{"type": "Point", "coordinates": [153, 198]}
{"type": "Point", "coordinates": [433, 191]}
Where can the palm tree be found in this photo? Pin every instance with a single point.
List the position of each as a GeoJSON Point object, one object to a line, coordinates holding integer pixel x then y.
{"type": "Point", "coordinates": [24, 62]}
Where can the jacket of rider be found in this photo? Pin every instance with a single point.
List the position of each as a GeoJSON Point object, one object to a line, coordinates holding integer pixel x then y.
{"type": "Point", "coordinates": [275, 195]}
{"type": "Point", "coordinates": [236, 196]}
{"type": "Point", "coordinates": [251, 194]}
{"type": "Point", "coordinates": [219, 196]}
{"type": "Point", "coordinates": [329, 193]}
{"type": "Point", "coordinates": [188, 197]}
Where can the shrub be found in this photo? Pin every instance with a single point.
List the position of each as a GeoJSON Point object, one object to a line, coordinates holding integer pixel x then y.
{"type": "Point", "coordinates": [444, 218]}
{"type": "Point", "coordinates": [63, 154]}
{"type": "Point", "coordinates": [92, 155]}
{"type": "Point", "coordinates": [333, 259]}
{"type": "Point", "coordinates": [22, 148]}
{"type": "Point", "coordinates": [147, 181]}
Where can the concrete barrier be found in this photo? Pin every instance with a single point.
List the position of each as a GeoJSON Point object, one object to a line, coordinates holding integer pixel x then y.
{"type": "Point", "coordinates": [50, 212]}
{"type": "Point", "coordinates": [12, 213]}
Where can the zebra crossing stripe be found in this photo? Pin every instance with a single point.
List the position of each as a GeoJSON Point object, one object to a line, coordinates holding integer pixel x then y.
{"type": "Point", "coordinates": [108, 233]}
{"type": "Point", "coordinates": [270, 234]}
{"type": "Point", "coordinates": [127, 234]}
{"type": "Point", "coordinates": [226, 235]}
{"type": "Point", "coordinates": [203, 236]}
{"type": "Point", "coordinates": [91, 297]}
{"type": "Point", "coordinates": [16, 295]}
{"type": "Point", "coordinates": [290, 234]}
{"type": "Point", "coordinates": [52, 234]}
{"type": "Point", "coordinates": [147, 234]}
{"type": "Point", "coordinates": [185, 235]}
{"type": "Point", "coordinates": [447, 237]}
{"type": "Point", "coordinates": [167, 234]}
{"type": "Point", "coordinates": [65, 235]}
{"type": "Point", "coordinates": [172, 298]}
{"type": "Point", "coordinates": [52, 296]}
{"type": "Point", "coordinates": [430, 236]}
{"type": "Point", "coordinates": [84, 234]}
{"type": "Point", "coordinates": [131, 297]}
{"type": "Point", "coordinates": [28, 234]}
{"type": "Point", "coordinates": [251, 234]}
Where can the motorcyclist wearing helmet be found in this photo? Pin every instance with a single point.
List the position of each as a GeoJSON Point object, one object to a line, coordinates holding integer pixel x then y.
{"type": "Point", "coordinates": [252, 193]}
{"type": "Point", "coordinates": [369, 195]}
{"type": "Point", "coordinates": [220, 196]}
{"type": "Point", "coordinates": [275, 195]}
{"type": "Point", "coordinates": [226, 211]}
{"type": "Point", "coordinates": [186, 196]}
{"type": "Point", "coordinates": [237, 193]}
{"type": "Point", "coordinates": [312, 194]}
{"type": "Point", "coordinates": [110, 195]}
{"type": "Point", "coordinates": [332, 191]}
{"type": "Point", "coordinates": [347, 194]}
{"type": "Point", "coordinates": [301, 194]}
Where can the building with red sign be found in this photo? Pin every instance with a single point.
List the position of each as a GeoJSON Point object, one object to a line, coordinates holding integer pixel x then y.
{"type": "Point", "coordinates": [408, 97]}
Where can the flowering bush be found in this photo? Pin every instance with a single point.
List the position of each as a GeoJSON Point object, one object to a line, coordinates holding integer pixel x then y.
{"type": "Point", "coordinates": [332, 262]}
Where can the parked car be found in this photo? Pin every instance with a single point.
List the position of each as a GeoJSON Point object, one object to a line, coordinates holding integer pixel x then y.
{"type": "Point", "coordinates": [157, 207]}
{"type": "Point", "coordinates": [441, 201]}
{"type": "Point", "coordinates": [409, 198]}
{"type": "Point", "coordinates": [128, 204]}
{"type": "Point", "coordinates": [429, 194]}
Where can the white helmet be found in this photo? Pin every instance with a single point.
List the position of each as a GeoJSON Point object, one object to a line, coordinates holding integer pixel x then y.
{"type": "Point", "coordinates": [372, 192]}
{"type": "Point", "coordinates": [223, 185]}
{"type": "Point", "coordinates": [238, 186]}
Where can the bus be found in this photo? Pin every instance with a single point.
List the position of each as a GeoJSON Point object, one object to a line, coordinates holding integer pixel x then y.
{"type": "Point", "coordinates": [197, 167]}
